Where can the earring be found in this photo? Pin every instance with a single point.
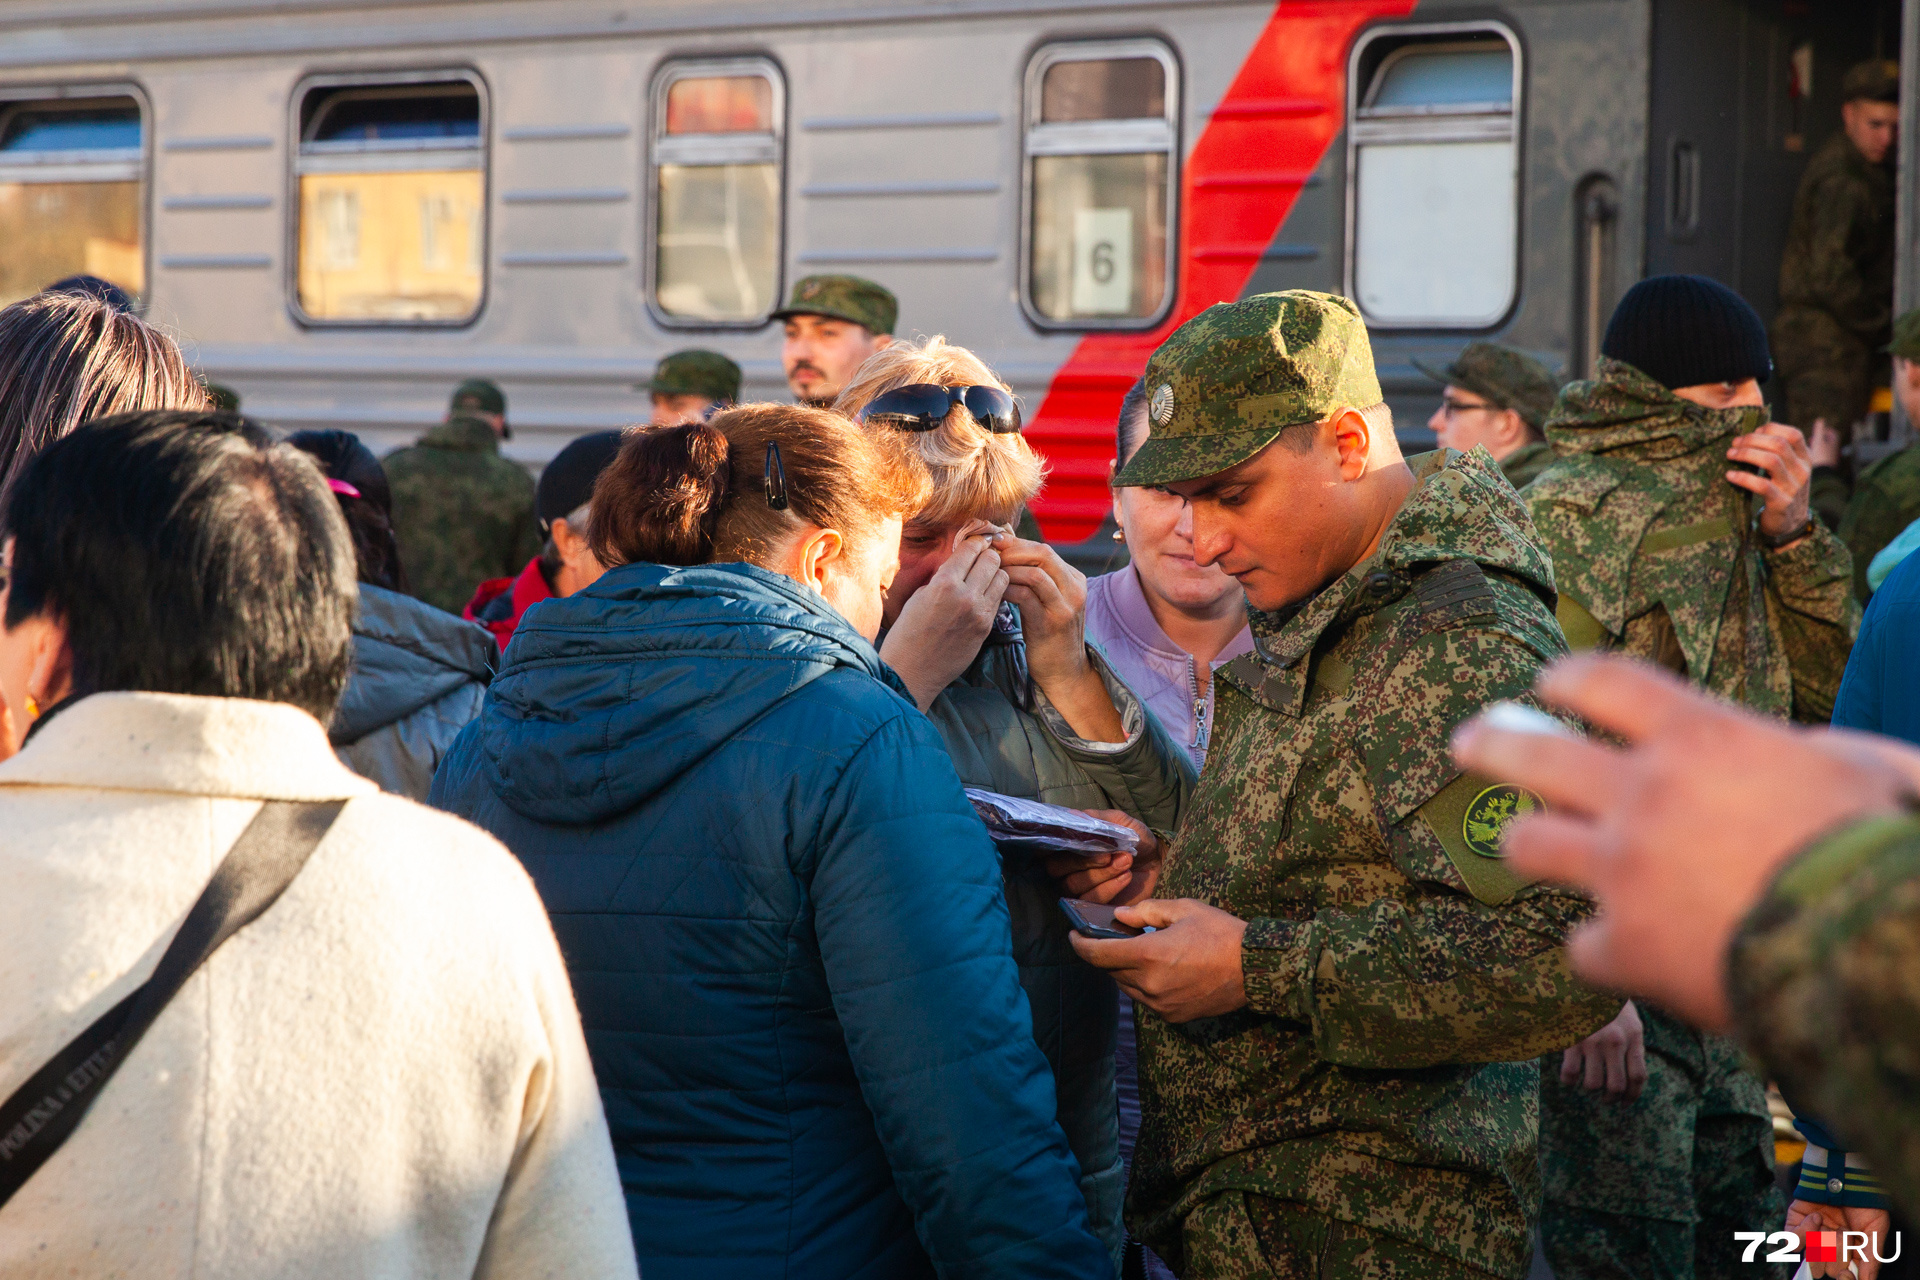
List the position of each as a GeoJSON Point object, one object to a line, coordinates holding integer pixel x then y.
{"type": "Point", "coordinates": [33, 708]}
{"type": "Point", "coordinates": [1119, 535]}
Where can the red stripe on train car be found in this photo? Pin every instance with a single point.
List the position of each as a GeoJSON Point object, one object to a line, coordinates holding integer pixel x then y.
{"type": "Point", "coordinates": [1266, 136]}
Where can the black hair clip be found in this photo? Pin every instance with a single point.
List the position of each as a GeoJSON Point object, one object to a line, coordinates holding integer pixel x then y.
{"type": "Point", "coordinates": [774, 479]}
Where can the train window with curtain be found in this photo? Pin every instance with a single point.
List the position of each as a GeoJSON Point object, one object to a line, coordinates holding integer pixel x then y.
{"type": "Point", "coordinates": [718, 138]}
{"type": "Point", "coordinates": [1101, 183]}
{"type": "Point", "coordinates": [1434, 176]}
{"type": "Point", "coordinates": [391, 176]}
{"type": "Point", "coordinates": [71, 197]}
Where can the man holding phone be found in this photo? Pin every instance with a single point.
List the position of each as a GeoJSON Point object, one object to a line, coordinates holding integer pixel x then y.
{"type": "Point", "coordinates": [1677, 517]}
{"type": "Point", "coordinates": [1347, 980]}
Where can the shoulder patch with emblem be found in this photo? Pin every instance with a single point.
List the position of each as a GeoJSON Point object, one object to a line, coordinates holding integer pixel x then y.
{"type": "Point", "coordinates": [1470, 816]}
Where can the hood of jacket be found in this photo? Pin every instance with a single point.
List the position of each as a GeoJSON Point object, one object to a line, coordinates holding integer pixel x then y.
{"type": "Point", "coordinates": [1625, 415]}
{"type": "Point", "coordinates": [611, 694]}
{"type": "Point", "coordinates": [463, 435]}
{"type": "Point", "coordinates": [406, 655]}
{"type": "Point", "coordinates": [1461, 508]}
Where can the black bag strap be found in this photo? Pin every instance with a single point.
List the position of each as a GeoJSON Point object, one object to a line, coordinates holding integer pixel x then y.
{"type": "Point", "coordinates": [43, 1113]}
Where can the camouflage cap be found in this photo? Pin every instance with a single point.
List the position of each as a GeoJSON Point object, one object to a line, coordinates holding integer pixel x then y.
{"type": "Point", "coordinates": [843, 298]}
{"type": "Point", "coordinates": [1876, 80]}
{"type": "Point", "coordinates": [225, 399]}
{"type": "Point", "coordinates": [1906, 336]}
{"type": "Point", "coordinates": [1231, 379]}
{"type": "Point", "coordinates": [697, 373]}
{"type": "Point", "coordinates": [1508, 378]}
{"type": "Point", "coordinates": [479, 395]}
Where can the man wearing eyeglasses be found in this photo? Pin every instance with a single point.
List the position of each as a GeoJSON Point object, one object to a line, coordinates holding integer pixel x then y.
{"type": "Point", "coordinates": [1498, 397]}
{"type": "Point", "coordinates": [1347, 983]}
{"type": "Point", "coordinates": [833, 323]}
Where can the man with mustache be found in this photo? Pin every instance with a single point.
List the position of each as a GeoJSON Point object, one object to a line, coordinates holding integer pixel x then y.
{"type": "Point", "coordinates": [833, 323]}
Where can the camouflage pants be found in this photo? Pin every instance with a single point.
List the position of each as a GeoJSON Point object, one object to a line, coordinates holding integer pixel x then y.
{"type": "Point", "coordinates": [1825, 371]}
{"type": "Point", "coordinates": [1654, 1189]}
{"type": "Point", "coordinates": [1238, 1236]}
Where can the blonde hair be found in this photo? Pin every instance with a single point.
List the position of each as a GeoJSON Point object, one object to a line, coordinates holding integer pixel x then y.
{"type": "Point", "coordinates": [976, 473]}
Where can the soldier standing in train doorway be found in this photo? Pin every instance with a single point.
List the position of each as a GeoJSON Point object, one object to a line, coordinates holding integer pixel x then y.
{"type": "Point", "coordinates": [1347, 980]}
{"type": "Point", "coordinates": [1836, 275]}
{"type": "Point", "coordinates": [833, 323]}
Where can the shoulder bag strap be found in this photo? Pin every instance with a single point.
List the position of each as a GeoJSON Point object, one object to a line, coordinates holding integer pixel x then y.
{"type": "Point", "coordinates": [46, 1110]}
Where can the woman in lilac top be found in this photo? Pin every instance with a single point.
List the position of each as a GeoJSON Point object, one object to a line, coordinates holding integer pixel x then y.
{"type": "Point", "coordinates": [1163, 622]}
{"type": "Point", "coordinates": [1165, 625]}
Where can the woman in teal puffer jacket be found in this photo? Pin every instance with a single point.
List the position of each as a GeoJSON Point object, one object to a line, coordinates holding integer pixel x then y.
{"type": "Point", "coordinates": [988, 632]}
{"type": "Point", "coordinates": [783, 922]}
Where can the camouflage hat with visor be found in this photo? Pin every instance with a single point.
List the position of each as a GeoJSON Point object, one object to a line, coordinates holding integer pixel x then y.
{"type": "Point", "coordinates": [1906, 336]}
{"type": "Point", "coordinates": [697, 373]}
{"type": "Point", "coordinates": [843, 298]}
{"type": "Point", "coordinates": [1230, 380]}
{"type": "Point", "coordinates": [1506, 378]}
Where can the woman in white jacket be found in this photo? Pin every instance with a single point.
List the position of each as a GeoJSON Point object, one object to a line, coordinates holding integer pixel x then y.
{"type": "Point", "coordinates": [381, 1076]}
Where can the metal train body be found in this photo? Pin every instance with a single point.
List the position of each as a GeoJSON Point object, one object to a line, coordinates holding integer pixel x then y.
{"type": "Point", "coordinates": [578, 187]}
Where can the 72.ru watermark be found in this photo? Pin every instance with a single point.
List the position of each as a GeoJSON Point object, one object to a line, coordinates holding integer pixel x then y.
{"type": "Point", "coordinates": [1821, 1246]}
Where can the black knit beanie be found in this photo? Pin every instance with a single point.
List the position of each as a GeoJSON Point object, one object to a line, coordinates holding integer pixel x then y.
{"type": "Point", "coordinates": [1682, 331]}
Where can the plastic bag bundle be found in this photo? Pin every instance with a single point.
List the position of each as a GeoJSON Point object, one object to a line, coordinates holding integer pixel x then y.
{"type": "Point", "coordinates": [1042, 830]}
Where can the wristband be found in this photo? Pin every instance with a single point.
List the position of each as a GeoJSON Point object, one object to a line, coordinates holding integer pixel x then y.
{"type": "Point", "coordinates": [1791, 535]}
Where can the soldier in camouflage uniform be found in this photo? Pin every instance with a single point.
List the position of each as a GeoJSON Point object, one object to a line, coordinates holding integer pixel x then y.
{"type": "Point", "coordinates": [1657, 554]}
{"type": "Point", "coordinates": [461, 512]}
{"type": "Point", "coordinates": [832, 324]}
{"type": "Point", "coordinates": [1886, 499]}
{"type": "Point", "coordinates": [1498, 397]}
{"type": "Point", "coordinates": [688, 386]}
{"type": "Point", "coordinates": [1836, 273]}
{"type": "Point", "coordinates": [1349, 983]}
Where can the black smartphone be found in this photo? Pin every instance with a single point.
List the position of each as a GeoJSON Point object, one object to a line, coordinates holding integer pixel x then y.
{"type": "Point", "coordinates": [1095, 920]}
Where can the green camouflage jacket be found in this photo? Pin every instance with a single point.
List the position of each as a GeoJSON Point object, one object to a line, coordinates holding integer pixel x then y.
{"type": "Point", "coordinates": [1886, 499]}
{"type": "Point", "coordinates": [1840, 243]}
{"type": "Point", "coordinates": [1821, 978]}
{"type": "Point", "coordinates": [1399, 977]}
{"type": "Point", "coordinates": [1654, 552]}
{"type": "Point", "coordinates": [1523, 464]}
{"type": "Point", "coordinates": [461, 512]}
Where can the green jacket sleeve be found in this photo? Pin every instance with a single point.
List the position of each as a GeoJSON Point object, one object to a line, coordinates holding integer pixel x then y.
{"type": "Point", "coordinates": [1810, 594]}
{"type": "Point", "coordinates": [1885, 502]}
{"type": "Point", "coordinates": [1149, 775]}
{"type": "Point", "coordinates": [1821, 979]}
{"type": "Point", "coordinates": [1462, 961]}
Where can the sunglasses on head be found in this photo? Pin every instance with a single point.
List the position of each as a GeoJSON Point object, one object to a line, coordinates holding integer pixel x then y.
{"type": "Point", "coordinates": [924, 406]}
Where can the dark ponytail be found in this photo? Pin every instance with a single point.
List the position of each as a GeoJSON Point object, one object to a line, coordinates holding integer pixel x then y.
{"type": "Point", "coordinates": [660, 498]}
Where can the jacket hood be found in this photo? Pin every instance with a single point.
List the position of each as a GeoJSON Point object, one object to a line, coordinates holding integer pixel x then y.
{"type": "Point", "coordinates": [612, 694]}
{"type": "Point", "coordinates": [1461, 508]}
{"type": "Point", "coordinates": [406, 655]}
{"type": "Point", "coordinates": [1623, 413]}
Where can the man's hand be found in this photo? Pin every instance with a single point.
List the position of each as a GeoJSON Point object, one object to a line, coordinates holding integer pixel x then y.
{"type": "Point", "coordinates": [1805, 1217]}
{"type": "Point", "coordinates": [1678, 835]}
{"type": "Point", "coordinates": [1613, 1058]}
{"type": "Point", "coordinates": [1188, 968]}
{"type": "Point", "coordinates": [940, 630]}
{"type": "Point", "coordinates": [1787, 487]}
{"type": "Point", "coordinates": [1823, 447]}
{"type": "Point", "coordinates": [1052, 598]}
{"type": "Point", "coordinates": [1123, 878]}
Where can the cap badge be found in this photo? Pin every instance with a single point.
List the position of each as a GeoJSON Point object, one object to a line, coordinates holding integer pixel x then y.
{"type": "Point", "coordinates": [812, 289]}
{"type": "Point", "coordinates": [1160, 408]}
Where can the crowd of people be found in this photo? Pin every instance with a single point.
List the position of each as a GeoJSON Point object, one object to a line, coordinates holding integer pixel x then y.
{"type": "Point", "coordinates": [420, 870]}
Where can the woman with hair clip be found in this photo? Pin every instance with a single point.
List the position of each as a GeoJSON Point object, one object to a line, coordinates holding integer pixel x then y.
{"type": "Point", "coordinates": [419, 673]}
{"type": "Point", "coordinates": [988, 631]}
{"type": "Point", "coordinates": [783, 920]}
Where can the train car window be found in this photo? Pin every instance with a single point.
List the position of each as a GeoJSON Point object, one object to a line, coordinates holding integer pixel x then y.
{"type": "Point", "coordinates": [392, 201]}
{"type": "Point", "coordinates": [1434, 175]}
{"type": "Point", "coordinates": [70, 193]}
{"type": "Point", "coordinates": [718, 139]}
{"type": "Point", "coordinates": [1101, 179]}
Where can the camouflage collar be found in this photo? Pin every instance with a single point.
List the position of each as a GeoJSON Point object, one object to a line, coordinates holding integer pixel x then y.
{"type": "Point", "coordinates": [1461, 508]}
{"type": "Point", "coordinates": [463, 435]}
{"type": "Point", "coordinates": [1623, 413]}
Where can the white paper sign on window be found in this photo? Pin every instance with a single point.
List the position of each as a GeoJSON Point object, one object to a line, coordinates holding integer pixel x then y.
{"type": "Point", "coordinates": [1102, 262]}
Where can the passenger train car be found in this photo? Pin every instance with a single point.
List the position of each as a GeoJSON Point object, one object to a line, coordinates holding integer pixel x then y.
{"type": "Point", "coordinates": [344, 207]}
